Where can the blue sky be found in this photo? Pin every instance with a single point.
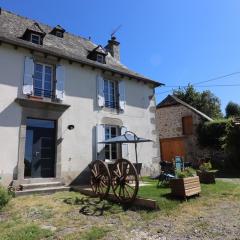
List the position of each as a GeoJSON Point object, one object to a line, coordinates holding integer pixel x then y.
{"type": "Point", "coordinates": [171, 41]}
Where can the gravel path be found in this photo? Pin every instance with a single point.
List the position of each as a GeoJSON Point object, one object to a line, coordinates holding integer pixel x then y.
{"type": "Point", "coordinates": [220, 222]}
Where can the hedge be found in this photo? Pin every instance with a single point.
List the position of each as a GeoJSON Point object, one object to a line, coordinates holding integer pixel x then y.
{"type": "Point", "coordinates": [212, 134]}
{"type": "Point", "coordinates": [222, 135]}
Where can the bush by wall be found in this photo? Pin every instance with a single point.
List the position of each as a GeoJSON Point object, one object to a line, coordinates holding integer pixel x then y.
{"type": "Point", "coordinates": [232, 145]}
{"type": "Point", "coordinates": [4, 197]}
{"type": "Point", "coordinates": [212, 134]}
{"type": "Point", "coordinates": [222, 135]}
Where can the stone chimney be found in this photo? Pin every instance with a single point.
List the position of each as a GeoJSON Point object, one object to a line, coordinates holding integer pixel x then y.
{"type": "Point", "coordinates": [113, 48]}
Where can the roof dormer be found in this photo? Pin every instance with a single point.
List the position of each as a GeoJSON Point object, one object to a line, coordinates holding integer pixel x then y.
{"type": "Point", "coordinates": [58, 31]}
{"type": "Point", "coordinates": [98, 54]}
{"type": "Point", "coordinates": [34, 34]}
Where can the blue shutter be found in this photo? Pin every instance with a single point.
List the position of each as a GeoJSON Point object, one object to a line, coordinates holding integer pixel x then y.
{"type": "Point", "coordinates": [100, 91]}
{"type": "Point", "coordinates": [60, 79]}
{"type": "Point", "coordinates": [125, 153]}
{"type": "Point", "coordinates": [122, 100]}
{"type": "Point", "coordinates": [28, 76]}
{"type": "Point", "coordinates": [100, 136]}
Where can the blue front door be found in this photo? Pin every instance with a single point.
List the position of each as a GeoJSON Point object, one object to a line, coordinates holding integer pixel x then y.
{"type": "Point", "coordinates": [40, 148]}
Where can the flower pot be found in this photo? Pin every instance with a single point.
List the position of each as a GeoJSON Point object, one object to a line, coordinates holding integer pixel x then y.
{"type": "Point", "coordinates": [185, 187]}
{"type": "Point", "coordinates": [206, 176]}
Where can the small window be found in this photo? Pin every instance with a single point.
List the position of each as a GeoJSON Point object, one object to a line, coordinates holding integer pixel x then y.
{"type": "Point", "coordinates": [110, 93]}
{"type": "Point", "coordinates": [35, 38]}
{"type": "Point", "coordinates": [100, 58]}
{"type": "Point", "coordinates": [187, 125]}
{"type": "Point", "coordinates": [111, 150]}
{"type": "Point", "coordinates": [59, 34]}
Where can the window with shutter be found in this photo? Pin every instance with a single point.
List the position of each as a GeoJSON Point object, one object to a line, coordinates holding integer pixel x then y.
{"type": "Point", "coordinates": [187, 125]}
{"type": "Point", "coordinates": [111, 150]}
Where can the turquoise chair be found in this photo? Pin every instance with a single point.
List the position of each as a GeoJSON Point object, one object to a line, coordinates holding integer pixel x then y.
{"type": "Point", "coordinates": [179, 164]}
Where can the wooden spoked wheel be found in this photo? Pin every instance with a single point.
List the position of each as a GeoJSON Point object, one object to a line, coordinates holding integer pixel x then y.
{"type": "Point", "coordinates": [125, 181]}
{"type": "Point", "coordinates": [100, 178]}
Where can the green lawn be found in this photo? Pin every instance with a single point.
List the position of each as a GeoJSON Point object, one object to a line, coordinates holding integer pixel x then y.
{"type": "Point", "coordinates": [209, 191]}
{"type": "Point", "coordinates": [70, 215]}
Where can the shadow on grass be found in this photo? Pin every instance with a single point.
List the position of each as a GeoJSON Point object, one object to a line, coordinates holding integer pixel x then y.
{"type": "Point", "coordinates": [91, 206]}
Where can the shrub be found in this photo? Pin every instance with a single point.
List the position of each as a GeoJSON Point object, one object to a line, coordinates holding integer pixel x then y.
{"type": "Point", "coordinates": [232, 145]}
{"type": "Point", "coordinates": [204, 167]}
{"type": "Point", "coordinates": [4, 197]}
{"type": "Point", "coordinates": [212, 134]}
{"type": "Point", "coordinates": [188, 172]}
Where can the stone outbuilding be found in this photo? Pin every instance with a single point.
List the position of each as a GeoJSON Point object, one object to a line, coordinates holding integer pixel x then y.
{"type": "Point", "coordinates": [177, 124]}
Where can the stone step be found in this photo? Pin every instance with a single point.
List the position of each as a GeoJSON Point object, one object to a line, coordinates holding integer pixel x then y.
{"type": "Point", "coordinates": [27, 186]}
{"type": "Point", "coordinates": [40, 180]}
{"type": "Point", "coordinates": [42, 191]}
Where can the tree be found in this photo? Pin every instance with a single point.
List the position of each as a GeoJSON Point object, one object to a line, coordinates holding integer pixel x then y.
{"type": "Point", "coordinates": [205, 101]}
{"type": "Point", "coordinates": [232, 110]}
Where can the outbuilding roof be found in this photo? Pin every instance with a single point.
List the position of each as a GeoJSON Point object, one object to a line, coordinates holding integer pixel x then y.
{"type": "Point", "coordinates": [172, 100]}
{"type": "Point", "coordinates": [71, 47]}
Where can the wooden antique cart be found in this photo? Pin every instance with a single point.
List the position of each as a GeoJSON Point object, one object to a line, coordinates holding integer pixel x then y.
{"type": "Point", "coordinates": [121, 177]}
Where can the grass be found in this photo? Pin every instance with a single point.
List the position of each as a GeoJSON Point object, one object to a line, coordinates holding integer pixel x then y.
{"type": "Point", "coordinates": [24, 232]}
{"type": "Point", "coordinates": [93, 234]}
{"type": "Point", "coordinates": [70, 215]}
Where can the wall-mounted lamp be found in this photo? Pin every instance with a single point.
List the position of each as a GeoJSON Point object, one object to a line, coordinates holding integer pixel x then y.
{"type": "Point", "coordinates": [70, 127]}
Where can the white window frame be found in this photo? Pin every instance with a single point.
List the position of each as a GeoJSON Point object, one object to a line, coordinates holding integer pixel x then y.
{"type": "Point", "coordinates": [110, 145]}
{"type": "Point", "coordinates": [100, 58]}
{"type": "Point", "coordinates": [43, 80]}
{"type": "Point", "coordinates": [107, 97]}
{"type": "Point", "coordinates": [35, 35]}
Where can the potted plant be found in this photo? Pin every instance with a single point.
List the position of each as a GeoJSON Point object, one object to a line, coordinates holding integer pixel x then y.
{"type": "Point", "coordinates": [206, 173]}
{"type": "Point", "coordinates": [185, 184]}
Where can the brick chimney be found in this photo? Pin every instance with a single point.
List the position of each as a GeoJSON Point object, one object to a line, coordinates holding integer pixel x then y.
{"type": "Point", "coordinates": [113, 48]}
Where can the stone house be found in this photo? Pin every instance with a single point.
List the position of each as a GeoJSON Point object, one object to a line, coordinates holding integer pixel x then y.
{"type": "Point", "coordinates": [61, 94]}
{"type": "Point", "coordinates": [177, 124]}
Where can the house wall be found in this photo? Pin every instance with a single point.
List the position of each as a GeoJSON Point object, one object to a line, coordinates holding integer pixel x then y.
{"type": "Point", "coordinates": [169, 125]}
{"type": "Point", "coordinates": [78, 146]}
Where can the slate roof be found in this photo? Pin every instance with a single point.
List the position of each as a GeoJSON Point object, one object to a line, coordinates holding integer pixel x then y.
{"type": "Point", "coordinates": [71, 47]}
{"type": "Point", "coordinates": [36, 28]}
{"type": "Point", "coordinates": [172, 100]}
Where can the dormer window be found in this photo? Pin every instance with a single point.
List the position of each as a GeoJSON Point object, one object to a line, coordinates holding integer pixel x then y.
{"type": "Point", "coordinates": [58, 31]}
{"type": "Point", "coordinates": [100, 58]}
{"type": "Point", "coordinates": [34, 34]}
{"type": "Point", "coordinates": [35, 38]}
{"type": "Point", "coordinates": [98, 54]}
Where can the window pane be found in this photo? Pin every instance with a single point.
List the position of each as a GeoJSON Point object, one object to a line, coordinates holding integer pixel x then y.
{"type": "Point", "coordinates": [113, 132]}
{"type": "Point", "coordinates": [35, 39]}
{"type": "Point", "coordinates": [107, 151]}
{"type": "Point", "coordinates": [48, 70]}
{"type": "Point", "coordinates": [38, 67]}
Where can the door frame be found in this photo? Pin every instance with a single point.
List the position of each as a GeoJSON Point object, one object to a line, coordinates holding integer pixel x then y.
{"type": "Point", "coordinates": [39, 114]}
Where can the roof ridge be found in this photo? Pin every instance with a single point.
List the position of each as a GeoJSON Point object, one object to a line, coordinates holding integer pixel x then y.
{"type": "Point", "coordinates": [190, 106]}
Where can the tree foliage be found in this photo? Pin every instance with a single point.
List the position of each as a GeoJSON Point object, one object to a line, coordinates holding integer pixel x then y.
{"type": "Point", "coordinates": [212, 134]}
{"type": "Point", "coordinates": [205, 101]}
{"type": "Point", "coordinates": [232, 110]}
